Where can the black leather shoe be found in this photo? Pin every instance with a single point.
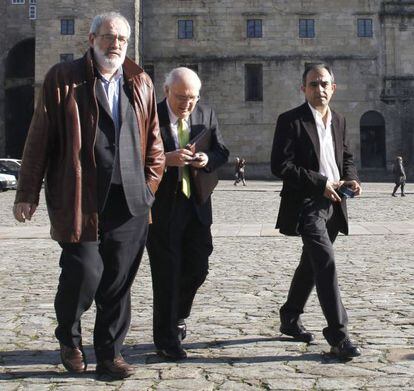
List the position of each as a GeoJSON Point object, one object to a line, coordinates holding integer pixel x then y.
{"type": "Point", "coordinates": [346, 349]}
{"type": "Point", "coordinates": [116, 368]}
{"type": "Point", "coordinates": [73, 359]}
{"type": "Point", "coordinates": [182, 329]}
{"type": "Point", "coordinates": [298, 333]}
{"type": "Point", "coordinates": [174, 353]}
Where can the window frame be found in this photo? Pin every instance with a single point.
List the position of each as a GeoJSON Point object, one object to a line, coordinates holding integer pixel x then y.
{"type": "Point", "coordinates": [70, 56]}
{"type": "Point", "coordinates": [253, 94]}
{"type": "Point", "coordinates": [362, 30]}
{"type": "Point", "coordinates": [255, 26]}
{"type": "Point", "coordinates": [32, 15]}
{"type": "Point", "coordinates": [18, 2]}
{"type": "Point", "coordinates": [308, 30]}
{"type": "Point", "coordinates": [64, 26]}
{"type": "Point", "coordinates": [184, 30]}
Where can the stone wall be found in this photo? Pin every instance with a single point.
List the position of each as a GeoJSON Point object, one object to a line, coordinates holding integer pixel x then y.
{"type": "Point", "coordinates": [372, 73]}
{"type": "Point", "coordinates": [15, 26]}
{"type": "Point", "coordinates": [50, 43]}
{"type": "Point", "coordinates": [221, 48]}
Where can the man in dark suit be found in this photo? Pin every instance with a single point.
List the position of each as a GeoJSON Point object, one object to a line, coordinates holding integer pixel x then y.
{"type": "Point", "coordinates": [311, 155]}
{"type": "Point", "coordinates": [95, 137]}
{"type": "Point", "coordinates": [179, 240]}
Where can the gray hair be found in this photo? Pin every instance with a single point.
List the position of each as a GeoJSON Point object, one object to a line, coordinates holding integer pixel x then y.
{"type": "Point", "coordinates": [177, 74]}
{"type": "Point", "coordinates": [311, 66]}
{"type": "Point", "coordinates": [99, 19]}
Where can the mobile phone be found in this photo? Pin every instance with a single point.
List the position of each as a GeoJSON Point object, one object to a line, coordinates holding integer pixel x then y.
{"type": "Point", "coordinates": [345, 192]}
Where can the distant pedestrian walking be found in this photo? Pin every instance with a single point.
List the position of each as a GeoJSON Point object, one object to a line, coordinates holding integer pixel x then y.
{"type": "Point", "coordinates": [239, 171]}
{"type": "Point", "coordinates": [399, 176]}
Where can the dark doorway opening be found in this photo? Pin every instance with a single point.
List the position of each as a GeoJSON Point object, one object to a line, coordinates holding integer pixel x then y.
{"type": "Point", "coordinates": [19, 95]}
{"type": "Point", "coordinates": [372, 133]}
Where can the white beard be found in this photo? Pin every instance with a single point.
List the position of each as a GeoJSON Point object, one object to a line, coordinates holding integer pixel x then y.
{"type": "Point", "coordinates": [107, 63]}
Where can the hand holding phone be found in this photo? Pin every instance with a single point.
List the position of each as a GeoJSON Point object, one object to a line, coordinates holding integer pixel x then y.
{"type": "Point", "coordinates": [345, 192]}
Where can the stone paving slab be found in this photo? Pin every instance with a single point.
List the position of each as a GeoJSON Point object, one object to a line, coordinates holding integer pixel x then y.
{"type": "Point", "coordinates": [233, 340]}
{"type": "Point", "coordinates": [232, 230]}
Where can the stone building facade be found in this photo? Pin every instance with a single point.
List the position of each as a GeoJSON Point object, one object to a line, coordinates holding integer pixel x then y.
{"type": "Point", "coordinates": [250, 55]}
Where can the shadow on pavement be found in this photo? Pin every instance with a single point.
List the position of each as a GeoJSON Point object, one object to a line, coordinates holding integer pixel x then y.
{"type": "Point", "coordinates": [14, 362]}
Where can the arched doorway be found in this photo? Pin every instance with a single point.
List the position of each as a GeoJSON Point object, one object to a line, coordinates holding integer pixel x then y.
{"type": "Point", "coordinates": [372, 133]}
{"type": "Point", "coordinates": [19, 95]}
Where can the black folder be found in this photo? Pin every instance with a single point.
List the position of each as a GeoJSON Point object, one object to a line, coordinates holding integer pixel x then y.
{"type": "Point", "coordinates": [203, 181]}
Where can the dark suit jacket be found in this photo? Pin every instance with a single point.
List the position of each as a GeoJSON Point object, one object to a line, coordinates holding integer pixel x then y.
{"type": "Point", "coordinates": [295, 159]}
{"type": "Point", "coordinates": [138, 195]}
{"type": "Point", "coordinates": [201, 118]}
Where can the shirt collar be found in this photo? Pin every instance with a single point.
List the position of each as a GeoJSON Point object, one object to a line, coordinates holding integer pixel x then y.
{"type": "Point", "coordinates": [318, 116]}
{"type": "Point", "coordinates": [115, 78]}
{"type": "Point", "coordinates": [173, 118]}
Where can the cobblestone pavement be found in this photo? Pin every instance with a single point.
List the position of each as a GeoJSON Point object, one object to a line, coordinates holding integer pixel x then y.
{"type": "Point", "coordinates": [233, 339]}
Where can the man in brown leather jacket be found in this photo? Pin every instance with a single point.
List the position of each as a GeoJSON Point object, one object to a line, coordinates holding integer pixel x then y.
{"type": "Point", "coordinates": [95, 139]}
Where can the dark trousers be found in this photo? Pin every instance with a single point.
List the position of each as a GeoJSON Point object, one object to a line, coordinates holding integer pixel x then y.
{"type": "Point", "coordinates": [102, 271]}
{"type": "Point", "coordinates": [397, 185]}
{"type": "Point", "coordinates": [318, 229]}
{"type": "Point", "coordinates": [178, 251]}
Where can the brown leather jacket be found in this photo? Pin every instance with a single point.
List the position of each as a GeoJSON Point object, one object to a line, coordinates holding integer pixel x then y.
{"type": "Point", "coordinates": [60, 146]}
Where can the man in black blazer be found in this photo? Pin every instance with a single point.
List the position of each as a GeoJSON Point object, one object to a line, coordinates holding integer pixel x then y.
{"type": "Point", "coordinates": [179, 241]}
{"type": "Point", "coordinates": [311, 155]}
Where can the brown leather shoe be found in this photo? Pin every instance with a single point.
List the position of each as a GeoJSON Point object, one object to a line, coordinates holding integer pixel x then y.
{"type": "Point", "coordinates": [73, 359]}
{"type": "Point", "coordinates": [117, 368]}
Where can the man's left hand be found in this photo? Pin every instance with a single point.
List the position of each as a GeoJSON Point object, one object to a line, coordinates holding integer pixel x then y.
{"type": "Point", "coordinates": [200, 160]}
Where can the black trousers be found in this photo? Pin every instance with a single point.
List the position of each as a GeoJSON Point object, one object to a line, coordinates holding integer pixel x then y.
{"type": "Point", "coordinates": [397, 185]}
{"type": "Point", "coordinates": [318, 229]}
{"type": "Point", "coordinates": [178, 251]}
{"type": "Point", "coordinates": [102, 271]}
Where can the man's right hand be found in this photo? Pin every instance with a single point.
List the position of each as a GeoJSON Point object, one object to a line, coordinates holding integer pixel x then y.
{"type": "Point", "coordinates": [178, 158]}
{"type": "Point", "coordinates": [23, 211]}
{"type": "Point", "coordinates": [330, 192]}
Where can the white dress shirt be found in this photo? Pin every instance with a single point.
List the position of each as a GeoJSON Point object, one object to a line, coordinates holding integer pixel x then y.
{"type": "Point", "coordinates": [327, 162]}
{"type": "Point", "coordinates": [174, 125]}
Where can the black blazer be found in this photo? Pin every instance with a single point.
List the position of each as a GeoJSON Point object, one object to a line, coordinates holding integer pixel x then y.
{"type": "Point", "coordinates": [201, 118]}
{"type": "Point", "coordinates": [295, 159]}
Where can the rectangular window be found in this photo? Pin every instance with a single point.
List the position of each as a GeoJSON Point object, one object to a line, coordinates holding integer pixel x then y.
{"type": "Point", "coordinates": [17, 1]}
{"type": "Point", "coordinates": [306, 28]}
{"type": "Point", "coordinates": [32, 12]}
{"type": "Point", "coordinates": [254, 28]}
{"type": "Point", "coordinates": [67, 26]}
{"type": "Point", "coordinates": [65, 57]}
{"type": "Point", "coordinates": [365, 28]}
{"type": "Point", "coordinates": [185, 29]}
{"type": "Point", "coordinates": [32, 1]}
{"type": "Point", "coordinates": [253, 82]}
{"type": "Point", "coordinates": [149, 68]}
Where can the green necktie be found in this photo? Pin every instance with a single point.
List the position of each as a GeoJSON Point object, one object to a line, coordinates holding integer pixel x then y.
{"type": "Point", "coordinates": [183, 139]}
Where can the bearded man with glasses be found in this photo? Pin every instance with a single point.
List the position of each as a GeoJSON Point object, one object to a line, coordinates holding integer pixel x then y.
{"type": "Point", "coordinates": [95, 138]}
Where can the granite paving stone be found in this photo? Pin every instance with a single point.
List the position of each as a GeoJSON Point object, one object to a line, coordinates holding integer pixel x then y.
{"type": "Point", "coordinates": [233, 339]}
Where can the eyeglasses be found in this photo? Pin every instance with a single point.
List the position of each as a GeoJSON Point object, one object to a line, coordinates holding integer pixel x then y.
{"type": "Point", "coordinates": [111, 38]}
{"type": "Point", "coordinates": [185, 99]}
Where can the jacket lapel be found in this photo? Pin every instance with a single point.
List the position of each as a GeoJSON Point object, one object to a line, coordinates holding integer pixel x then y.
{"type": "Point", "coordinates": [165, 128]}
{"type": "Point", "coordinates": [336, 135]}
{"type": "Point", "coordinates": [309, 124]}
{"type": "Point", "coordinates": [337, 139]}
{"type": "Point", "coordinates": [123, 97]}
{"type": "Point", "coordinates": [196, 122]}
{"type": "Point", "coordinates": [102, 99]}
